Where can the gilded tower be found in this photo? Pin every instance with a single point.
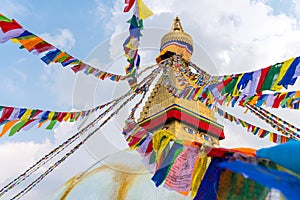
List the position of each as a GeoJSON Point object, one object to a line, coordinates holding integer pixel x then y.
{"type": "Point", "coordinates": [187, 119]}
{"type": "Point", "coordinates": [124, 175]}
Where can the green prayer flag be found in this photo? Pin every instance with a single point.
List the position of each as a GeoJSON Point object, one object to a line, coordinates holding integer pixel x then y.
{"type": "Point", "coordinates": [141, 25]}
{"type": "Point", "coordinates": [16, 127]}
{"type": "Point", "coordinates": [4, 19]}
{"type": "Point", "coordinates": [229, 88]}
{"type": "Point", "coordinates": [152, 158]}
{"type": "Point", "coordinates": [32, 113]}
{"type": "Point", "coordinates": [271, 76]}
{"type": "Point", "coordinates": [176, 154]}
{"type": "Point", "coordinates": [51, 125]}
{"type": "Point", "coordinates": [133, 22]}
{"type": "Point", "coordinates": [62, 59]}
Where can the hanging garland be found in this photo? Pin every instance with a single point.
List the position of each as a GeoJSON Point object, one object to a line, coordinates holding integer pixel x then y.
{"type": "Point", "coordinates": [177, 165]}
{"type": "Point", "coordinates": [275, 124]}
{"type": "Point", "coordinates": [143, 88]}
{"type": "Point", "coordinates": [15, 119]}
{"type": "Point", "coordinates": [272, 78]}
{"type": "Point", "coordinates": [200, 78]}
{"type": "Point", "coordinates": [11, 29]}
{"type": "Point", "coordinates": [131, 44]}
{"type": "Point", "coordinates": [274, 137]}
{"type": "Point", "coordinates": [276, 118]}
{"type": "Point", "coordinates": [189, 93]}
{"type": "Point", "coordinates": [279, 99]}
{"type": "Point", "coordinates": [210, 94]}
{"type": "Point", "coordinates": [181, 166]}
{"type": "Point", "coordinates": [60, 148]}
{"type": "Point", "coordinates": [72, 151]}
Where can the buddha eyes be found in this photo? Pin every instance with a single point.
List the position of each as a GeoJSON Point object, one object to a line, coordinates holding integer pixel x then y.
{"type": "Point", "coordinates": [189, 130]}
{"type": "Point", "coordinates": [192, 131]}
{"type": "Point", "coordinates": [205, 137]}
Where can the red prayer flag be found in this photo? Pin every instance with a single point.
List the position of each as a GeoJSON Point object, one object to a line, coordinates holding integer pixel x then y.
{"type": "Point", "coordinates": [7, 111]}
{"type": "Point", "coordinates": [79, 67]}
{"type": "Point", "coordinates": [42, 47]}
{"type": "Point", "coordinates": [129, 5]}
{"type": "Point", "coordinates": [8, 26]}
{"type": "Point", "coordinates": [263, 75]}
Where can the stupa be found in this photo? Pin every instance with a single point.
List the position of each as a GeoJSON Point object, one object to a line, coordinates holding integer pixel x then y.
{"type": "Point", "coordinates": [123, 175]}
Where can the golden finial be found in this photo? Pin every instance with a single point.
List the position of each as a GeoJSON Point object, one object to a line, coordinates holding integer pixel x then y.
{"type": "Point", "coordinates": [177, 25]}
{"type": "Point", "coordinates": [176, 41]}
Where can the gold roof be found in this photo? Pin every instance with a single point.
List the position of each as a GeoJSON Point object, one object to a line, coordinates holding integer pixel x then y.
{"type": "Point", "coordinates": [176, 33]}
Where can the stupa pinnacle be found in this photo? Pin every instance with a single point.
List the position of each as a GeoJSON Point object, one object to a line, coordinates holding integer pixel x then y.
{"type": "Point", "coordinates": [176, 41]}
{"type": "Point", "coordinates": [188, 120]}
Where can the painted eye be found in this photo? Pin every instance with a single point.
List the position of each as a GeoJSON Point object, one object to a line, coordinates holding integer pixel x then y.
{"type": "Point", "coordinates": [189, 130]}
{"type": "Point", "coordinates": [205, 137]}
{"type": "Point", "coordinates": [165, 128]}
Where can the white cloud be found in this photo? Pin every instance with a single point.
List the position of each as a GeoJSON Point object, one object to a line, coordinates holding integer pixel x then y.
{"type": "Point", "coordinates": [10, 8]}
{"type": "Point", "coordinates": [19, 156]}
{"type": "Point", "coordinates": [63, 39]}
{"type": "Point", "coordinates": [247, 31]}
{"type": "Point", "coordinates": [60, 80]}
{"type": "Point", "coordinates": [237, 35]}
{"type": "Point", "coordinates": [296, 6]}
{"type": "Point", "coordinates": [102, 11]}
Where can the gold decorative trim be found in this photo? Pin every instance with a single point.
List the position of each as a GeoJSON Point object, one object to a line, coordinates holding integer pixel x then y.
{"type": "Point", "coordinates": [176, 33]}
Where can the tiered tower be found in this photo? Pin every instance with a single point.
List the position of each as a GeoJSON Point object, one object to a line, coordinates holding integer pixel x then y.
{"type": "Point", "coordinates": [187, 119]}
{"type": "Point", "coordinates": [123, 176]}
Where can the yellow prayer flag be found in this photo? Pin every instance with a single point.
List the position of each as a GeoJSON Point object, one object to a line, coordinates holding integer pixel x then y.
{"type": "Point", "coordinates": [15, 41]}
{"type": "Point", "coordinates": [198, 93]}
{"type": "Point", "coordinates": [144, 11]}
{"type": "Point", "coordinates": [26, 115]}
{"type": "Point", "coordinates": [282, 72]}
{"type": "Point", "coordinates": [198, 174]}
{"type": "Point", "coordinates": [132, 44]}
{"type": "Point", "coordinates": [67, 117]}
{"type": "Point", "coordinates": [210, 95]}
{"type": "Point", "coordinates": [271, 137]}
{"type": "Point", "coordinates": [51, 114]}
{"type": "Point", "coordinates": [254, 100]}
{"type": "Point", "coordinates": [235, 89]}
{"type": "Point", "coordinates": [160, 140]}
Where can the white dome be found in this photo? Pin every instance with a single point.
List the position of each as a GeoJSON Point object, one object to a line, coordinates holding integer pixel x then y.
{"type": "Point", "coordinates": [120, 176]}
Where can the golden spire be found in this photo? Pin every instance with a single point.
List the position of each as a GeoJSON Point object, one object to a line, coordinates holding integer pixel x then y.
{"type": "Point", "coordinates": [177, 25]}
{"type": "Point", "coordinates": [177, 42]}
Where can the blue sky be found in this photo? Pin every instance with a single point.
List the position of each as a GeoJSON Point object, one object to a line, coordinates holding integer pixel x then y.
{"type": "Point", "coordinates": [267, 32]}
{"type": "Point", "coordinates": [23, 83]}
{"type": "Point", "coordinates": [40, 17]}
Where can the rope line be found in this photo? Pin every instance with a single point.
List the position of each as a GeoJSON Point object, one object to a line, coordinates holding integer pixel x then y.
{"type": "Point", "coordinates": [148, 81]}
{"type": "Point", "coordinates": [278, 126]}
{"type": "Point", "coordinates": [70, 140]}
{"type": "Point", "coordinates": [276, 117]}
{"type": "Point", "coordinates": [55, 151]}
